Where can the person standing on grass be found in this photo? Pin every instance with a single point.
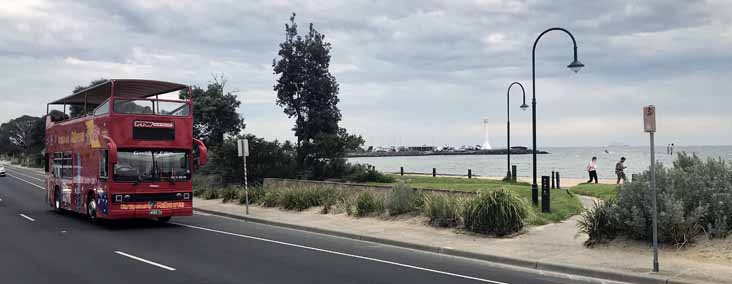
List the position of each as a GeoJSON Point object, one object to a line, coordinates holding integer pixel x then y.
{"type": "Point", "coordinates": [592, 169]}
{"type": "Point", "coordinates": [620, 170]}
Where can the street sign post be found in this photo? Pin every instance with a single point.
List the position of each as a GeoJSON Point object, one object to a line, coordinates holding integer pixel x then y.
{"type": "Point", "coordinates": [649, 126]}
{"type": "Point", "coordinates": [243, 149]}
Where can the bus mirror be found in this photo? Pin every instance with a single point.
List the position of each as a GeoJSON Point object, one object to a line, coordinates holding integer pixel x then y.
{"type": "Point", "coordinates": [202, 152]}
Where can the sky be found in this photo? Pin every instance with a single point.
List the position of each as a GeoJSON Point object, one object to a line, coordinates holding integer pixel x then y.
{"type": "Point", "coordinates": [410, 72]}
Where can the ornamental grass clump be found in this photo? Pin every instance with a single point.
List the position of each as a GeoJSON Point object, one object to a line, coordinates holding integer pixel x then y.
{"type": "Point", "coordinates": [402, 199]}
{"type": "Point", "coordinates": [211, 193]}
{"type": "Point", "coordinates": [443, 210]}
{"type": "Point", "coordinates": [499, 212]}
{"type": "Point", "coordinates": [369, 203]}
{"type": "Point", "coordinates": [256, 195]}
{"type": "Point", "coordinates": [598, 223]}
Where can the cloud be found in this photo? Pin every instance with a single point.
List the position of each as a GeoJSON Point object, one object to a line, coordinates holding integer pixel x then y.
{"type": "Point", "coordinates": [410, 72]}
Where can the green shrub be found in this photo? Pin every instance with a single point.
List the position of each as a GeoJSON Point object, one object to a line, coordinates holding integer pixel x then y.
{"type": "Point", "coordinates": [256, 195]}
{"type": "Point", "coordinates": [369, 203]}
{"type": "Point", "coordinates": [367, 173]}
{"type": "Point", "coordinates": [500, 212]}
{"type": "Point", "coordinates": [272, 198]}
{"type": "Point", "coordinates": [598, 223]}
{"type": "Point", "coordinates": [199, 185]}
{"type": "Point", "coordinates": [329, 200]}
{"type": "Point", "coordinates": [694, 196]}
{"type": "Point", "coordinates": [443, 210]}
{"type": "Point", "coordinates": [230, 193]}
{"type": "Point", "coordinates": [401, 199]}
{"type": "Point", "coordinates": [211, 193]}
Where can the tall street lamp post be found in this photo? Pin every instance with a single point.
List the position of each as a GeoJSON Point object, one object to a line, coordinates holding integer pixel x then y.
{"type": "Point", "coordinates": [574, 66]}
{"type": "Point", "coordinates": [508, 124]}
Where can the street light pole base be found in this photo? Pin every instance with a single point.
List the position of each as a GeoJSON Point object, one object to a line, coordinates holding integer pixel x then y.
{"type": "Point", "coordinates": [535, 194]}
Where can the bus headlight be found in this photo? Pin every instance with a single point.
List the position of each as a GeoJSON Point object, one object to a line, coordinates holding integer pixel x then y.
{"type": "Point", "coordinates": [186, 196]}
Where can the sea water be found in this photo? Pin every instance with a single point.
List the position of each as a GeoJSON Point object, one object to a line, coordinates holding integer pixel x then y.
{"type": "Point", "coordinates": [570, 162]}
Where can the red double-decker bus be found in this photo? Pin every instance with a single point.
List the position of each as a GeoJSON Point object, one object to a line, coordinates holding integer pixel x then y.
{"type": "Point", "coordinates": [126, 154]}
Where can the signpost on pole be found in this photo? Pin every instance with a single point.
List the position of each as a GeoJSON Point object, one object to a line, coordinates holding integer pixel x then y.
{"type": "Point", "coordinates": [243, 147]}
{"type": "Point", "coordinates": [649, 126]}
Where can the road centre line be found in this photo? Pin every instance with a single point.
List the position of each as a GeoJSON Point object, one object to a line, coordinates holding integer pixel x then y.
{"type": "Point", "coordinates": [145, 260]}
{"type": "Point", "coordinates": [28, 182]}
{"type": "Point", "coordinates": [26, 217]}
{"type": "Point", "coordinates": [342, 254]}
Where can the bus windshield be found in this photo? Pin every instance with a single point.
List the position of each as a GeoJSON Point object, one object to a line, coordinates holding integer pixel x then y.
{"type": "Point", "coordinates": [171, 108]}
{"type": "Point", "coordinates": [151, 165]}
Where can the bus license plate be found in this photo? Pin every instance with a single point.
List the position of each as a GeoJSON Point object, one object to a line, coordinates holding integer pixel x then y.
{"type": "Point", "coordinates": [156, 212]}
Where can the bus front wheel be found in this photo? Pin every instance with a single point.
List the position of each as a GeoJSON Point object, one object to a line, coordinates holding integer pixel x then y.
{"type": "Point", "coordinates": [56, 201]}
{"type": "Point", "coordinates": [91, 209]}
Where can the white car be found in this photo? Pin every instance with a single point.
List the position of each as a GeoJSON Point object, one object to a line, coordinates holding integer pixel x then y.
{"type": "Point", "coordinates": [2, 171]}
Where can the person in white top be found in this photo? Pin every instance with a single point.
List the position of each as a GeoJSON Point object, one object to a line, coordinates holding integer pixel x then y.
{"type": "Point", "coordinates": [592, 169]}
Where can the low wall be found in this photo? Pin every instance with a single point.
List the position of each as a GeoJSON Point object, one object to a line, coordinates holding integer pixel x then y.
{"type": "Point", "coordinates": [296, 183]}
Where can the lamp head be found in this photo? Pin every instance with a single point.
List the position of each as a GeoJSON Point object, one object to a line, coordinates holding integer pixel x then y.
{"type": "Point", "coordinates": [524, 106]}
{"type": "Point", "coordinates": [575, 66]}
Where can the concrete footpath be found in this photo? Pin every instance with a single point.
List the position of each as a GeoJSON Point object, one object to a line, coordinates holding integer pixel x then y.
{"type": "Point", "coordinates": [553, 247]}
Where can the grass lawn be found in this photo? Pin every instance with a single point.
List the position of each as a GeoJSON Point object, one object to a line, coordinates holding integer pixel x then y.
{"type": "Point", "coordinates": [602, 191]}
{"type": "Point", "coordinates": [563, 205]}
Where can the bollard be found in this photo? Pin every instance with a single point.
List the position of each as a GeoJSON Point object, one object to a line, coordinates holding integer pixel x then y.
{"type": "Point", "coordinates": [434, 172]}
{"type": "Point", "coordinates": [554, 185]}
{"type": "Point", "coordinates": [545, 194]}
{"type": "Point", "coordinates": [632, 177]}
{"type": "Point", "coordinates": [558, 186]}
{"type": "Point", "coordinates": [513, 173]}
{"type": "Point", "coordinates": [470, 173]}
{"type": "Point", "coordinates": [401, 171]}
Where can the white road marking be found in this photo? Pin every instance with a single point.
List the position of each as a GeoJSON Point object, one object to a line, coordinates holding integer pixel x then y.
{"type": "Point", "coordinates": [342, 254]}
{"type": "Point", "coordinates": [28, 182]}
{"type": "Point", "coordinates": [35, 178]}
{"type": "Point", "coordinates": [144, 260]}
{"type": "Point", "coordinates": [29, 218]}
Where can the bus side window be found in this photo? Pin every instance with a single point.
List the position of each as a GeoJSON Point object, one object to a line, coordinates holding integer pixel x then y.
{"type": "Point", "coordinates": [103, 164]}
{"type": "Point", "coordinates": [57, 164]}
{"type": "Point", "coordinates": [67, 166]}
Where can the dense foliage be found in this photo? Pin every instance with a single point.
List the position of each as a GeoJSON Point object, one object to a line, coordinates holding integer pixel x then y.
{"type": "Point", "coordinates": [693, 197]}
{"type": "Point", "coordinates": [214, 112]}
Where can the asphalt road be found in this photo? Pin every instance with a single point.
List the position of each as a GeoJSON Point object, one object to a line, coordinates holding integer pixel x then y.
{"type": "Point", "coordinates": [38, 245]}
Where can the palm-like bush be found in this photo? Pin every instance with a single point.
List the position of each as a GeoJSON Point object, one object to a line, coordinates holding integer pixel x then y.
{"type": "Point", "coordinates": [443, 210]}
{"type": "Point", "coordinates": [498, 212]}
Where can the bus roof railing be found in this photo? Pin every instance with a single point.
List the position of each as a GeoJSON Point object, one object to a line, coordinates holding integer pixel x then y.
{"type": "Point", "coordinates": [127, 88]}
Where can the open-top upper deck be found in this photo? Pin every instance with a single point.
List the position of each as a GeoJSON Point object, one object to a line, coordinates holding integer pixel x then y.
{"type": "Point", "coordinates": [126, 88]}
{"type": "Point", "coordinates": [124, 112]}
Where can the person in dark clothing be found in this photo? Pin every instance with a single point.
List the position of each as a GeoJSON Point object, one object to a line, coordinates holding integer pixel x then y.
{"type": "Point", "coordinates": [620, 170]}
{"type": "Point", "coordinates": [592, 169]}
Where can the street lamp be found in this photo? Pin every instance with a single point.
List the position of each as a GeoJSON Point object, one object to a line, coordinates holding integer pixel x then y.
{"type": "Point", "coordinates": [524, 106]}
{"type": "Point", "coordinates": [574, 66]}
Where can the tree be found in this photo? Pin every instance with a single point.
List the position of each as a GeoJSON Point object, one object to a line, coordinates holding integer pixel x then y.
{"type": "Point", "coordinates": [19, 132]}
{"type": "Point", "coordinates": [214, 112]}
{"type": "Point", "coordinates": [308, 92]}
{"type": "Point", "coordinates": [78, 110]}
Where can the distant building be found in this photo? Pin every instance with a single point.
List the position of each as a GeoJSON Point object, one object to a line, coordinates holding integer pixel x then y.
{"type": "Point", "coordinates": [421, 148]}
